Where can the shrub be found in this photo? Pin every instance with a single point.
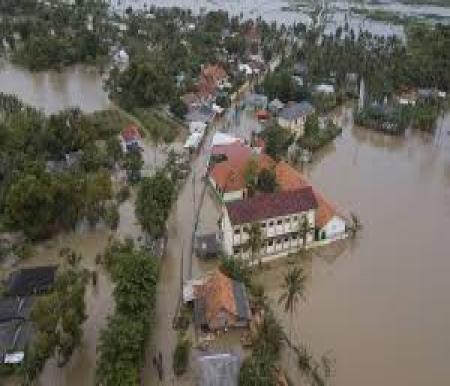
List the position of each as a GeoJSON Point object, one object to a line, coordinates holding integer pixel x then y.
{"type": "Point", "coordinates": [181, 355]}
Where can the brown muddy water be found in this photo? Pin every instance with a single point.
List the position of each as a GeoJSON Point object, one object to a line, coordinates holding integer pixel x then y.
{"type": "Point", "coordinates": [51, 91]}
{"type": "Point", "coordinates": [379, 305]}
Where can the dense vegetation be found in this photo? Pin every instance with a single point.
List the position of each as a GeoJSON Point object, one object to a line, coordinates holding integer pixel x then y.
{"type": "Point", "coordinates": [153, 203]}
{"type": "Point", "coordinates": [387, 64]}
{"type": "Point", "coordinates": [54, 172]}
{"type": "Point", "coordinates": [123, 341]}
{"type": "Point", "coordinates": [50, 36]}
{"type": "Point", "coordinates": [315, 135]}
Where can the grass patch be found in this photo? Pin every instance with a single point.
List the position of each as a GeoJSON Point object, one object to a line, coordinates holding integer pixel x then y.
{"type": "Point", "coordinates": [158, 123]}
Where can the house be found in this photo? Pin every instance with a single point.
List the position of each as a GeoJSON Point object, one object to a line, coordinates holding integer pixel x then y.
{"type": "Point", "coordinates": [218, 369]}
{"type": "Point", "coordinates": [330, 225]}
{"type": "Point", "coordinates": [203, 114]}
{"type": "Point", "coordinates": [280, 216]}
{"type": "Point", "coordinates": [221, 303]}
{"type": "Point", "coordinates": [300, 69]}
{"type": "Point", "coordinates": [275, 106]}
{"type": "Point", "coordinates": [131, 138]}
{"type": "Point", "coordinates": [193, 142]}
{"type": "Point", "coordinates": [323, 88]}
{"type": "Point", "coordinates": [30, 281]}
{"type": "Point", "coordinates": [212, 78]}
{"type": "Point", "coordinates": [293, 117]}
{"type": "Point", "coordinates": [222, 139]}
{"type": "Point", "coordinates": [197, 127]}
{"type": "Point", "coordinates": [256, 101]}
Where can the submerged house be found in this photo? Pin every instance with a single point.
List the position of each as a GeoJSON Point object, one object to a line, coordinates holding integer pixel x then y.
{"type": "Point", "coordinates": [280, 216]}
{"type": "Point", "coordinates": [221, 303]}
{"type": "Point", "coordinates": [293, 117]}
{"type": "Point", "coordinates": [131, 138]}
{"type": "Point", "coordinates": [31, 281]}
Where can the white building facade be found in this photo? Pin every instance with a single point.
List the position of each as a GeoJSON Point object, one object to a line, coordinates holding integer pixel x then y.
{"type": "Point", "coordinates": [281, 218]}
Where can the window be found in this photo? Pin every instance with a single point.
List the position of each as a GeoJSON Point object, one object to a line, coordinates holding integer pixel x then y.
{"type": "Point", "coordinates": [295, 218]}
{"type": "Point", "coordinates": [263, 225]}
{"type": "Point", "coordinates": [286, 239]}
{"type": "Point", "coordinates": [245, 229]}
{"type": "Point", "coordinates": [237, 231]}
{"type": "Point", "coordinates": [287, 220]}
{"type": "Point", "coordinates": [236, 250]}
{"type": "Point", "coordinates": [278, 241]}
{"type": "Point", "coordinates": [279, 222]}
{"type": "Point", "coordinates": [270, 243]}
{"type": "Point", "coordinates": [271, 223]}
{"type": "Point", "coordinates": [294, 237]}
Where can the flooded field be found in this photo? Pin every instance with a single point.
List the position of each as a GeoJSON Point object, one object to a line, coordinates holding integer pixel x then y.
{"type": "Point", "coordinates": [51, 91]}
{"type": "Point", "coordinates": [379, 307]}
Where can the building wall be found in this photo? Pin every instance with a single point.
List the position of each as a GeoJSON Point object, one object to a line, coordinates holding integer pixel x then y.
{"type": "Point", "coordinates": [295, 126]}
{"type": "Point", "coordinates": [280, 234]}
{"type": "Point", "coordinates": [334, 228]}
{"type": "Point", "coordinates": [233, 196]}
{"type": "Point", "coordinates": [226, 234]}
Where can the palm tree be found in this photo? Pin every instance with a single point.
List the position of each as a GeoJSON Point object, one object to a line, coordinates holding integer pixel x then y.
{"type": "Point", "coordinates": [255, 240]}
{"type": "Point", "coordinates": [305, 230]}
{"type": "Point", "coordinates": [355, 225]}
{"type": "Point", "coordinates": [293, 290]}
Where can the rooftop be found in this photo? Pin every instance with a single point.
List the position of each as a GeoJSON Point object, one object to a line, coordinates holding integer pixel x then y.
{"type": "Point", "coordinates": [29, 281]}
{"type": "Point", "coordinates": [297, 110]}
{"type": "Point", "coordinates": [271, 205]}
{"type": "Point", "coordinates": [221, 293]}
{"type": "Point", "coordinates": [131, 133]}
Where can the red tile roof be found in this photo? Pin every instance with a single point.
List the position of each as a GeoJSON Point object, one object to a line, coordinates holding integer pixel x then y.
{"type": "Point", "coordinates": [288, 178]}
{"type": "Point", "coordinates": [238, 152]}
{"type": "Point", "coordinates": [131, 133]}
{"type": "Point", "coordinates": [218, 295]}
{"type": "Point", "coordinates": [271, 205]}
{"type": "Point", "coordinates": [325, 211]}
{"type": "Point", "coordinates": [230, 175]}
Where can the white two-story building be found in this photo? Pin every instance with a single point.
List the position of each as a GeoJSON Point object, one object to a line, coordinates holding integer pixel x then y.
{"type": "Point", "coordinates": [280, 216]}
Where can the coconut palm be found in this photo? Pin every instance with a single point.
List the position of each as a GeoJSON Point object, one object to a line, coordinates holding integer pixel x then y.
{"type": "Point", "coordinates": [293, 291]}
{"type": "Point", "coordinates": [355, 225]}
{"type": "Point", "coordinates": [255, 240]}
{"type": "Point", "coordinates": [305, 230]}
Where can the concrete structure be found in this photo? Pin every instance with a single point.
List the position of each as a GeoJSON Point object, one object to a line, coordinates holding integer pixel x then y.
{"type": "Point", "coordinates": [280, 216]}
{"type": "Point", "coordinates": [293, 117]}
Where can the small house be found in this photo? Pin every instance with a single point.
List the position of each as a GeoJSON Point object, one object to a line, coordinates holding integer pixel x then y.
{"type": "Point", "coordinates": [221, 303]}
{"type": "Point", "coordinates": [293, 117]}
{"type": "Point", "coordinates": [131, 138]}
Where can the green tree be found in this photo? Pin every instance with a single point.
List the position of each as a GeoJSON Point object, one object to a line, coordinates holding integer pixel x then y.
{"type": "Point", "coordinates": [153, 203]}
{"type": "Point", "coordinates": [293, 290]}
{"type": "Point", "coordinates": [255, 241]}
{"type": "Point", "coordinates": [267, 181]}
{"type": "Point", "coordinates": [251, 175]}
{"type": "Point", "coordinates": [133, 163]}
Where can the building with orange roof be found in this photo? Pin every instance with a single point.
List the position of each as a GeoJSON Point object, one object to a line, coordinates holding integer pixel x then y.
{"type": "Point", "coordinates": [221, 303]}
{"type": "Point", "coordinates": [330, 225]}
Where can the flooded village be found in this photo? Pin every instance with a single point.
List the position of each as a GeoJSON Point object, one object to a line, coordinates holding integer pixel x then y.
{"type": "Point", "coordinates": [275, 218]}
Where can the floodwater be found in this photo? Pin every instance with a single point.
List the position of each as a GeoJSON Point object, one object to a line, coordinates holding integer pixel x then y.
{"type": "Point", "coordinates": [379, 306]}
{"type": "Point", "coordinates": [52, 91]}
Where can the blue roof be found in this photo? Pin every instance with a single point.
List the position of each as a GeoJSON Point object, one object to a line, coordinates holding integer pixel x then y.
{"type": "Point", "coordinates": [297, 110]}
